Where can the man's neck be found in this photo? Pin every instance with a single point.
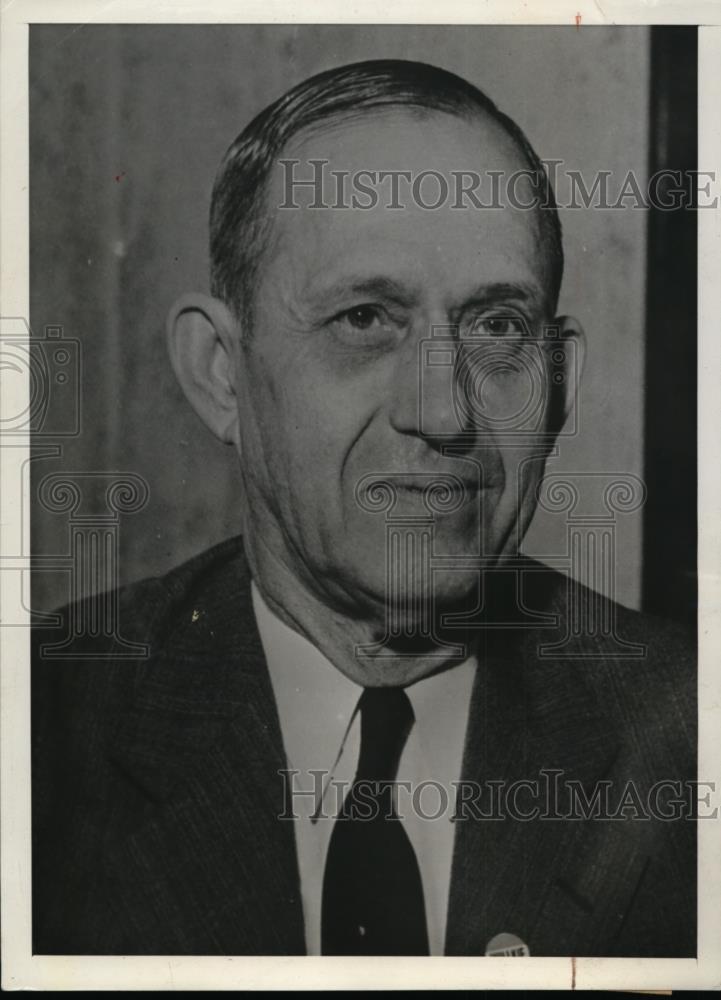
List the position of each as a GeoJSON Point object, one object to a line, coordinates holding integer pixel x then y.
{"type": "Point", "coordinates": [354, 643]}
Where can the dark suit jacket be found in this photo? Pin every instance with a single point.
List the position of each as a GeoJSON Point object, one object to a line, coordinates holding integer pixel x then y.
{"type": "Point", "coordinates": [155, 786]}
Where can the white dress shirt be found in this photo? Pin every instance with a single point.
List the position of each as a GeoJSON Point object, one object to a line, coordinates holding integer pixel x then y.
{"type": "Point", "coordinates": [321, 732]}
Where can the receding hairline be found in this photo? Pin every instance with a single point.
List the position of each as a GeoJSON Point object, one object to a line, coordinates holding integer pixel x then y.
{"type": "Point", "coordinates": [337, 121]}
{"type": "Point", "coordinates": [313, 107]}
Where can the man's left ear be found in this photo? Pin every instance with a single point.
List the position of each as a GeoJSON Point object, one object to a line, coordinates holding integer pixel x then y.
{"type": "Point", "coordinates": [567, 362]}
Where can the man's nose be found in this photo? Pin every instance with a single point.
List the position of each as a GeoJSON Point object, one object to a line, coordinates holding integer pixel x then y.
{"type": "Point", "coordinates": [422, 393]}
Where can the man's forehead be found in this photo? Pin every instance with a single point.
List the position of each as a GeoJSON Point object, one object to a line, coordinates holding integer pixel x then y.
{"type": "Point", "coordinates": [341, 278]}
{"type": "Point", "coordinates": [343, 237]}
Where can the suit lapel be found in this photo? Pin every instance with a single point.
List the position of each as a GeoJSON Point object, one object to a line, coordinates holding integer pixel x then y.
{"type": "Point", "coordinates": [561, 886]}
{"type": "Point", "coordinates": [210, 869]}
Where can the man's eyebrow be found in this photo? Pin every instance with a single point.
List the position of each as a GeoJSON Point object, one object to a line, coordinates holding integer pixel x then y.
{"type": "Point", "coordinates": [384, 288]}
{"type": "Point", "coordinates": [377, 286]}
{"type": "Point", "coordinates": [519, 291]}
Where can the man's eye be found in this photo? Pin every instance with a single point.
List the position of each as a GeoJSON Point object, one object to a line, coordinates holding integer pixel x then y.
{"type": "Point", "coordinates": [361, 317]}
{"type": "Point", "coordinates": [501, 326]}
{"type": "Point", "coordinates": [366, 324]}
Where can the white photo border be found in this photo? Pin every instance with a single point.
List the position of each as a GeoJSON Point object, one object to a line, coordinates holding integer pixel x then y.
{"type": "Point", "coordinates": [21, 969]}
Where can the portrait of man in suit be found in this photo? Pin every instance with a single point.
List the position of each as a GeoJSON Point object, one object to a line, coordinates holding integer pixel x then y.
{"type": "Point", "coordinates": [370, 725]}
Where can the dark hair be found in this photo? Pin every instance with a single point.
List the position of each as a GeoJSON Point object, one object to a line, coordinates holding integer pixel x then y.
{"type": "Point", "coordinates": [237, 222]}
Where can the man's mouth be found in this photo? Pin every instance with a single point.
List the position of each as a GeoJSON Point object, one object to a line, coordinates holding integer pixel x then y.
{"type": "Point", "coordinates": [439, 492]}
{"type": "Point", "coordinates": [440, 485]}
{"type": "Point", "coordinates": [445, 492]}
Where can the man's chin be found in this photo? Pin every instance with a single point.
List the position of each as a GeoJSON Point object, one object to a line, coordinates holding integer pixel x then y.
{"type": "Point", "coordinates": [415, 598]}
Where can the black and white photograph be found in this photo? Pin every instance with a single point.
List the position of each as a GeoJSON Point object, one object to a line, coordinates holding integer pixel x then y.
{"type": "Point", "coordinates": [358, 561]}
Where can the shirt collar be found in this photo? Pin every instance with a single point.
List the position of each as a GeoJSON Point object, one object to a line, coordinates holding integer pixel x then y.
{"type": "Point", "coordinates": [307, 686]}
{"type": "Point", "coordinates": [440, 704]}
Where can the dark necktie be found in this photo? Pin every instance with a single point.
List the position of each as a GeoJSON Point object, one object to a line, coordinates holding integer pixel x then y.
{"type": "Point", "coordinates": [372, 890]}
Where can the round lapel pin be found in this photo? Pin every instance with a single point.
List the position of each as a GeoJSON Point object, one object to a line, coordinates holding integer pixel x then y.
{"type": "Point", "coordinates": [506, 944]}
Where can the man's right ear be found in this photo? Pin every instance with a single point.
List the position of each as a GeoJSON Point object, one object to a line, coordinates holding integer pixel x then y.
{"type": "Point", "coordinates": [202, 334]}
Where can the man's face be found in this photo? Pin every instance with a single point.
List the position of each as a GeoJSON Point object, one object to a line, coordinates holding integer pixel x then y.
{"type": "Point", "coordinates": [333, 383]}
